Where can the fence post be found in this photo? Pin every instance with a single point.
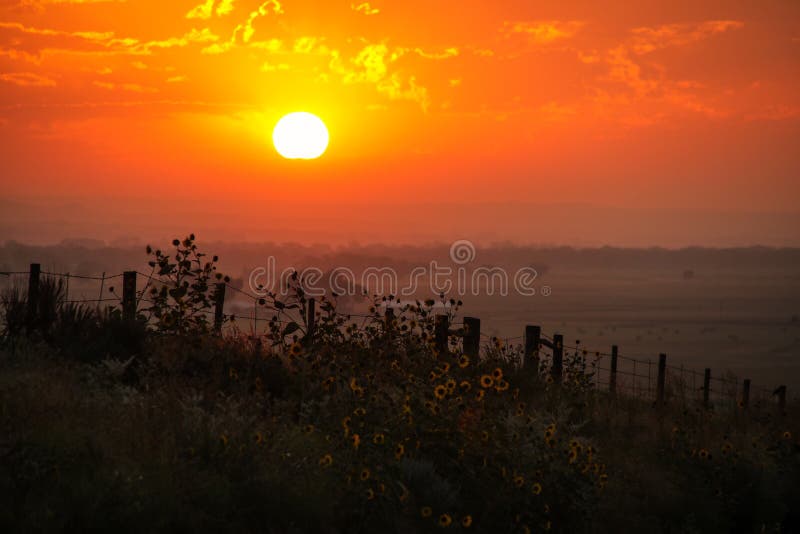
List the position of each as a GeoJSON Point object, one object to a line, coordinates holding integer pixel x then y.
{"type": "Point", "coordinates": [781, 393]}
{"type": "Point", "coordinates": [706, 386]}
{"type": "Point", "coordinates": [472, 336]}
{"type": "Point", "coordinates": [440, 333]}
{"type": "Point", "coordinates": [612, 379]}
{"type": "Point", "coordinates": [219, 303]}
{"type": "Point", "coordinates": [129, 295]}
{"type": "Point", "coordinates": [311, 318]}
{"type": "Point", "coordinates": [532, 336]}
{"type": "Point", "coordinates": [33, 291]}
{"type": "Point", "coordinates": [746, 393]}
{"type": "Point", "coordinates": [662, 372]}
{"type": "Point", "coordinates": [558, 357]}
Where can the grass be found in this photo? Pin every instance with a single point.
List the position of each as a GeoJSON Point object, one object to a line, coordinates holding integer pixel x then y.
{"type": "Point", "coordinates": [356, 429]}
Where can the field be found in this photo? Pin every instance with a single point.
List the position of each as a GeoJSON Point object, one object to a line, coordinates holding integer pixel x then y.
{"type": "Point", "coordinates": [161, 424]}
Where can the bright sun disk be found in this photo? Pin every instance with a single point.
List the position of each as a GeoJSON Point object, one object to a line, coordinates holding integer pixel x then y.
{"type": "Point", "coordinates": [300, 135]}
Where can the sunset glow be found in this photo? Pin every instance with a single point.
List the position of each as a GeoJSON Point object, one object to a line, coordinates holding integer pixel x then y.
{"type": "Point", "coordinates": [653, 107]}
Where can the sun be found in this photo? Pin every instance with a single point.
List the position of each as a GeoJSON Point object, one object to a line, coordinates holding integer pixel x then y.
{"type": "Point", "coordinates": [300, 135]}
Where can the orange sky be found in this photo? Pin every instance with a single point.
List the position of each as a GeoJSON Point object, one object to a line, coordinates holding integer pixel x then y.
{"type": "Point", "coordinates": [165, 109]}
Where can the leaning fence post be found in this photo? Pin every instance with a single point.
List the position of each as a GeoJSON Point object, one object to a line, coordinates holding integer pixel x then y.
{"type": "Point", "coordinates": [706, 386]}
{"type": "Point", "coordinates": [129, 295]}
{"type": "Point", "coordinates": [745, 393]}
{"type": "Point", "coordinates": [612, 379]}
{"type": "Point", "coordinates": [440, 333]}
{"type": "Point", "coordinates": [311, 318]}
{"type": "Point", "coordinates": [219, 304]}
{"type": "Point", "coordinates": [662, 372]}
{"type": "Point", "coordinates": [532, 336]}
{"type": "Point", "coordinates": [472, 336]}
{"type": "Point", "coordinates": [33, 291]}
{"type": "Point", "coordinates": [558, 357]}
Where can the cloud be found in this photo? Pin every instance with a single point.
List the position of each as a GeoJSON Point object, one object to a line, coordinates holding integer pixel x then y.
{"type": "Point", "coordinates": [177, 79]}
{"type": "Point", "coordinates": [133, 87]}
{"type": "Point", "coordinates": [543, 32]}
{"type": "Point", "coordinates": [206, 10]}
{"type": "Point", "coordinates": [27, 79]}
{"type": "Point", "coordinates": [365, 8]}
{"type": "Point", "coordinates": [649, 39]}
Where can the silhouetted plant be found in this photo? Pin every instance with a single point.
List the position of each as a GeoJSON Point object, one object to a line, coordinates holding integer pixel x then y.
{"type": "Point", "coordinates": [181, 298]}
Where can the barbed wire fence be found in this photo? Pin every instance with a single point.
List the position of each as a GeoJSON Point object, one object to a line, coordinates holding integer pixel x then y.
{"type": "Point", "coordinates": [633, 376]}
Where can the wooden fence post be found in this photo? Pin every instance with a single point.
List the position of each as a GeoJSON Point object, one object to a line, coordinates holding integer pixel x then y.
{"type": "Point", "coordinates": [706, 386]}
{"type": "Point", "coordinates": [311, 318]}
{"type": "Point", "coordinates": [662, 372]}
{"type": "Point", "coordinates": [129, 295]}
{"type": "Point", "coordinates": [746, 393]}
{"type": "Point", "coordinates": [33, 292]}
{"type": "Point", "coordinates": [781, 393]}
{"type": "Point", "coordinates": [219, 304]}
{"type": "Point", "coordinates": [441, 334]}
{"type": "Point", "coordinates": [472, 336]}
{"type": "Point", "coordinates": [612, 379]}
{"type": "Point", "coordinates": [533, 335]}
{"type": "Point", "coordinates": [558, 358]}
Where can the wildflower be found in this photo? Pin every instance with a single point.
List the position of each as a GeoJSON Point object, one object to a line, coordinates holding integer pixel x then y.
{"type": "Point", "coordinates": [486, 381]}
{"type": "Point", "coordinates": [369, 494]}
{"type": "Point", "coordinates": [465, 386]}
{"type": "Point", "coordinates": [519, 481]}
{"type": "Point", "coordinates": [378, 439]}
{"type": "Point", "coordinates": [497, 374]}
{"type": "Point", "coordinates": [426, 511]}
{"type": "Point", "coordinates": [536, 488]}
{"type": "Point", "coordinates": [326, 460]}
{"type": "Point", "coordinates": [440, 391]}
{"type": "Point", "coordinates": [399, 451]}
{"type": "Point", "coordinates": [445, 520]}
{"type": "Point", "coordinates": [364, 475]}
{"type": "Point", "coordinates": [296, 349]}
{"type": "Point", "coordinates": [356, 441]}
{"type": "Point", "coordinates": [463, 361]}
{"type": "Point", "coordinates": [466, 521]}
{"type": "Point", "coordinates": [450, 385]}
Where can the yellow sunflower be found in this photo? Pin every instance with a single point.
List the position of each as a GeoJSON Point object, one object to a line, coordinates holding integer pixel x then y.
{"type": "Point", "coordinates": [486, 381]}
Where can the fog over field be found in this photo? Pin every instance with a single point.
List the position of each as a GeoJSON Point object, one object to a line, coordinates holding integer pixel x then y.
{"type": "Point", "coordinates": [733, 310]}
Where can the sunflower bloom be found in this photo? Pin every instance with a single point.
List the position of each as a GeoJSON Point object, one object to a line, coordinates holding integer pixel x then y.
{"type": "Point", "coordinates": [399, 451]}
{"type": "Point", "coordinates": [440, 391]}
{"type": "Point", "coordinates": [466, 521]}
{"type": "Point", "coordinates": [326, 460]}
{"type": "Point", "coordinates": [445, 520]}
{"type": "Point", "coordinates": [536, 488]}
{"type": "Point", "coordinates": [487, 381]}
{"type": "Point", "coordinates": [463, 361]}
{"type": "Point", "coordinates": [426, 511]}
